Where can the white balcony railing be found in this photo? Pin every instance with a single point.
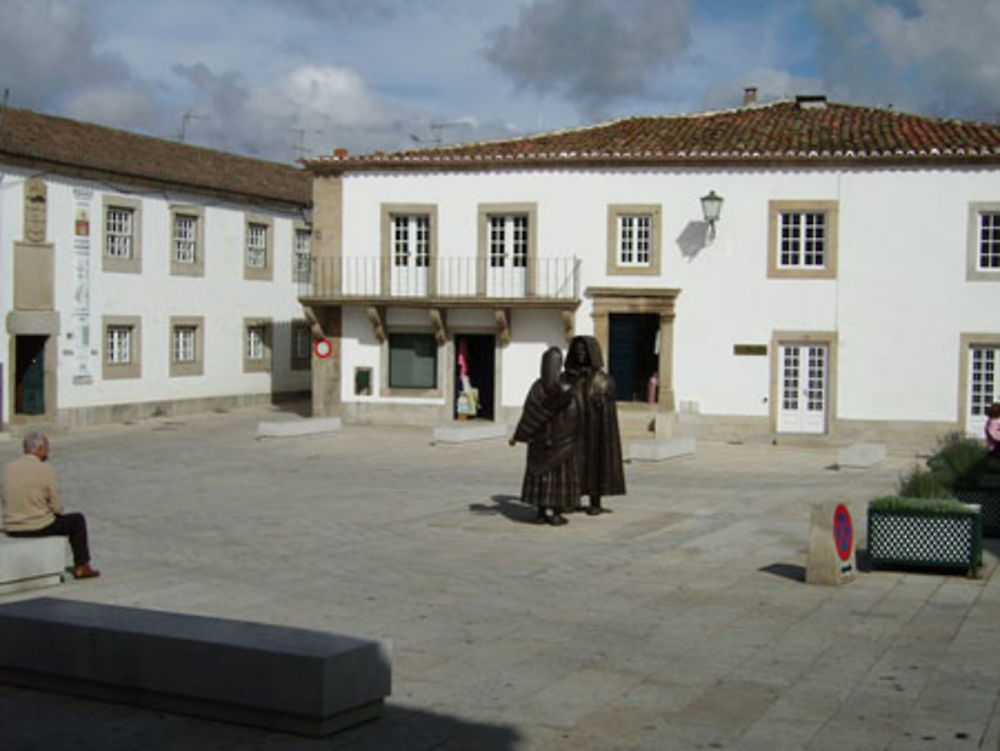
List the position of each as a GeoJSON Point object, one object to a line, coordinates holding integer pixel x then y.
{"type": "Point", "coordinates": [449, 277]}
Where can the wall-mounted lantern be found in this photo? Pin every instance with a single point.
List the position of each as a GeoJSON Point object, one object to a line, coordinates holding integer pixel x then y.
{"type": "Point", "coordinates": [711, 207]}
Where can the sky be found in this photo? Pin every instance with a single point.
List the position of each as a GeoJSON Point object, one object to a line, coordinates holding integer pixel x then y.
{"type": "Point", "coordinates": [291, 79]}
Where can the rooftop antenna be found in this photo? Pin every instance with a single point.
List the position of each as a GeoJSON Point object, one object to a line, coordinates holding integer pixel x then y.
{"type": "Point", "coordinates": [3, 107]}
{"type": "Point", "coordinates": [300, 148]}
{"type": "Point", "coordinates": [436, 129]}
{"type": "Point", "coordinates": [185, 118]}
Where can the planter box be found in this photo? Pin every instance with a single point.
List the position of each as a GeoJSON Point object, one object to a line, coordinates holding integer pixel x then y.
{"type": "Point", "coordinates": [925, 534]}
{"type": "Point", "coordinates": [989, 502]}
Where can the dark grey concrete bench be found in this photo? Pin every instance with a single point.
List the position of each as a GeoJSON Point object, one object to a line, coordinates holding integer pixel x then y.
{"type": "Point", "coordinates": [289, 679]}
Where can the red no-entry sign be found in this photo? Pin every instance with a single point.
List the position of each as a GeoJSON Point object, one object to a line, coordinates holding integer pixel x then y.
{"type": "Point", "coordinates": [843, 532]}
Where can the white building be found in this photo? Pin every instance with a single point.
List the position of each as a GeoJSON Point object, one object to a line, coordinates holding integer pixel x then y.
{"type": "Point", "coordinates": [850, 289]}
{"type": "Point", "coordinates": [144, 277]}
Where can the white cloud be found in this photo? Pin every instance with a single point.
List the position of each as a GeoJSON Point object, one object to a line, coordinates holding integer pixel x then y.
{"type": "Point", "coordinates": [594, 52]}
{"type": "Point", "coordinates": [934, 56]}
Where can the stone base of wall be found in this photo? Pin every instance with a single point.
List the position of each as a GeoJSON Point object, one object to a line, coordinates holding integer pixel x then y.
{"type": "Point", "coordinates": [386, 413]}
{"type": "Point", "coordinates": [110, 414]}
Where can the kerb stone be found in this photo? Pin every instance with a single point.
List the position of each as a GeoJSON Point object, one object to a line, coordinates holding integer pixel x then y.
{"type": "Point", "coordinates": [30, 562]}
{"type": "Point", "coordinates": [861, 455]}
{"type": "Point", "coordinates": [659, 449]}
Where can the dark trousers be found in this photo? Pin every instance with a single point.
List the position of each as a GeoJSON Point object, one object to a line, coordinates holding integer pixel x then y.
{"type": "Point", "coordinates": [72, 525]}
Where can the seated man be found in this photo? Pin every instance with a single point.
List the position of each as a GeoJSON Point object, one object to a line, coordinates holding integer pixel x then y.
{"type": "Point", "coordinates": [32, 506]}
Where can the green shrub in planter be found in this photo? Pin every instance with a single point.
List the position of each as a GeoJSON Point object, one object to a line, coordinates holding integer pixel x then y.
{"type": "Point", "coordinates": [924, 532]}
{"type": "Point", "coordinates": [959, 461]}
{"type": "Point", "coordinates": [922, 483]}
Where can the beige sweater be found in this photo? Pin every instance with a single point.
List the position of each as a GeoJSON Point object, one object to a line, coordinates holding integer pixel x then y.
{"type": "Point", "coordinates": [30, 495]}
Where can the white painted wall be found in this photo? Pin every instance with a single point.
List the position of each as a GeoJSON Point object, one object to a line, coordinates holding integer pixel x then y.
{"type": "Point", "coordinates": [899, 303]}
{"type": "Point", "coordinates": [222, 297]}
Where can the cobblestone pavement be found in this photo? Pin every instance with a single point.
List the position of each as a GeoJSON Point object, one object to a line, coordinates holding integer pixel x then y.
{"type": "Point", "coordinates": [680, 621]}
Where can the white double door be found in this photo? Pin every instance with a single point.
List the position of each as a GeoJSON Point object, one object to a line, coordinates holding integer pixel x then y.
{"type": "Point", "coordinates": [803, 398]}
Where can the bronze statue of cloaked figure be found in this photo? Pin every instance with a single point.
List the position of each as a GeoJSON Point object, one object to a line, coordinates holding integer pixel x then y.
{"type": "Point", "coordinates": [550, 425]}
{"type": "Point", "coordinates": [600, 446]}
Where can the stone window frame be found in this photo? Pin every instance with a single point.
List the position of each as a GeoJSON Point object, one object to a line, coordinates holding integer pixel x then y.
{"type": "Point", "coordinates": [774, 211]}
{"type": "Point", "coordinates": [615, 212]}
{"type": "Point", "coordinates": [114, 264]}
{"type": "Point", "coordinates": [966, 341]}
{"type": "Point", "coordinates": [386, 213]}
{"type": "Point", "coordinates": [185, 268]}
{"type": "Point", "coordinates": [973, 272]}
{"type": "Point", "coordinates": [263, 364]}
{"type": "Point", "coordinates": [298, 360]}
{"type": "Point", "coordinates": [484, 211]}
{"type": "Point", "coordinates": [195, 367]}
{"type": "Point", "coordinates": [265, 272]}
{"type": "Point", "coordinates": [300, 276]}
{"type": "Point", "coordinates": [133, 368]}
{"type": "Point", "coordinates": [439, 363]}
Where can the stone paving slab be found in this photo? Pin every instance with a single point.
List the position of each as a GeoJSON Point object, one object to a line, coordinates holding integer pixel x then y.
{"type": "Point", "coordinates": [679, 621]}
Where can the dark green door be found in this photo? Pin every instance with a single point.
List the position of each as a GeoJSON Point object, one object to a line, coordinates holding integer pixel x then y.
{"type": "Point", "coordinates": [632, 358]}
{"type": "Point", "coordinates": [30, 375]}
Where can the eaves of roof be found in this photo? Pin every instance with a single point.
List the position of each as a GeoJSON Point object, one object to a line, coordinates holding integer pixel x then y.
{"type": "Point", "coordinates": [777, 134]}
{"type": "Point", "coordinates": [46, 143]}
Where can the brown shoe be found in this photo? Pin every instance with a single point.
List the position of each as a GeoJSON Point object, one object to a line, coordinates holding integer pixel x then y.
{"type": "Point", "coordinates": [85, 572]}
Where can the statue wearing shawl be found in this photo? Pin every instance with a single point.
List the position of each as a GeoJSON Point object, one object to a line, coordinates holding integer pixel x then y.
{"type": "Point", "coordinates": [600, 448]}
{"type": "Point", "coordinates": [550, 425]}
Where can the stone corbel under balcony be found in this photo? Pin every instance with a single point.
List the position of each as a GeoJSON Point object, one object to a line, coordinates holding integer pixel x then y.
{"type": "Point", "coordinates": [569, 324]}
{"type": "Point", "coordinates": [437, 319]}
{"type": "Point", "coordinates": [502, 317]}
{"type": "Point", "coordinates": [376, 314]}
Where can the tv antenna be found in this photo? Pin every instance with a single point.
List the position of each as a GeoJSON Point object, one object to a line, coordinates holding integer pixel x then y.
{"type": "Point", "coordinates": [188, 116]}
{"type": "Point", "coordinates": [435, 129]}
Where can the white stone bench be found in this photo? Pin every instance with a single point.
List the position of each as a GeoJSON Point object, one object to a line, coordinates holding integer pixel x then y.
{"type": "Point", "coordinates": [861, 455]}
{"type": "Point", "coordinates": [30, 562]}
{"type": "Point", "coordinates": [281, 678]}
{"type": "Point", "coordinates": [308, 426]}
{"type": "Point", "coordinates": [479, 431]}
{"type": "Point", "coordinates": [660, 448]}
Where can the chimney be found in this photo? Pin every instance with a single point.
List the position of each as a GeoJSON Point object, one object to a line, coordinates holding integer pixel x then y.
{"type": "Point", "coordinates": [749, 95]}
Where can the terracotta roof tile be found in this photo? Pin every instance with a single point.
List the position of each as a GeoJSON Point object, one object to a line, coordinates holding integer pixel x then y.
{"type": "Point", "coordinates": [64, 146]}
{"type": "Point", "coordinates": [792, 131]}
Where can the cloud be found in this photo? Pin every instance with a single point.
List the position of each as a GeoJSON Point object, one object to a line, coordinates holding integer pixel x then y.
{"type": "Point", "coordinates": [48, 49]}
{"type": "Point", "coordinates": [310, 110]}
{"type": "Point", "coordinates": [594, 52]}
{"type": "Point", "coordinates": [356, 10]}
{"type": "Point", "coordinates": [933, 56]}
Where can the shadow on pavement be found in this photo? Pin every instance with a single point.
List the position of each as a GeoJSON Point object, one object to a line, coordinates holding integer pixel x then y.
{"type": "Point", "coordinates": [508, 506]}
{"type": "Point", "coordinates": [41, 720]}
{"type": "Point", "coordinates": [787, 570]}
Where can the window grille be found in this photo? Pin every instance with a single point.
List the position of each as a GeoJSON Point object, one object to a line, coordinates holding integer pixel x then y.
{"type": "Point", "coordinates": [302, 343]}
{"type": "Point", "coordinates": [303, 253]}
{"type": "Point", "coordinates": [803, 240]}
{"type": "Point", "coordinates": [257, 246]}
{"type": "Point", "coordinates": [983, 382]}
{"type": "Point", "coordinates": [185, 238]}
{"type": "Point", "coordinates": [118, 232]}
{"type": "Point", "coordinates": [184, 343]}
{"type": "Point", "coordinates": [989, 241]}
{"type": "Point", "coordinates": [256, 342]}
{"type": "Point", "coordinates": [634, 233]}
{"type": "Point", "coordinates": [119, 345]}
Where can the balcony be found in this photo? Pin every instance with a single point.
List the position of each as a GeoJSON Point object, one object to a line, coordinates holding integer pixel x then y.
{"type": "Point", "coordinates": [455, 280]}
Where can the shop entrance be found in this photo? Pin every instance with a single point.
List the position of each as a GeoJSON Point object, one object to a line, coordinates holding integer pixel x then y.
{"type": "Point", "coordinates": [475, 358]}
{"type": "Point", "coordinates": [29, 375]}
{"type": "Point", "coordinates": [633, 354]}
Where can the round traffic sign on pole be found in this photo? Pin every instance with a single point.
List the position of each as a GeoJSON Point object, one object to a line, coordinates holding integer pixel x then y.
{"type": "Point", "coordinates": [323, 348]}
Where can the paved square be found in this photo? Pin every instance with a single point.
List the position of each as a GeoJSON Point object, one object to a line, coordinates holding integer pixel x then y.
{"type": "Point", "coordinates": [678, 622]}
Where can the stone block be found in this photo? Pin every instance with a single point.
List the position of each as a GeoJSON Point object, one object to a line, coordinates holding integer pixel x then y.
{"type": "Point", "coordinates": [832, 559]}
{"type": "Point", "coordinates": [281, 678]}
{"type": "Point", "coordinates": [861, 455]}
{"type": "Point", "coordinates": [659, 449]}
{"type": "Point", "coordinates": [479, 431]}
{"type": "Point", "coordinates": [308, 426]}
{"type": "Point", "coordinates": [31, 562]}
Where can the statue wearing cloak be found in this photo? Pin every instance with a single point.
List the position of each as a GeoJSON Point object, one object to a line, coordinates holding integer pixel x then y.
{"type": "Point", "coordinates": [550, 424]}
{"type": "Point", "coordinates": [599, 447]}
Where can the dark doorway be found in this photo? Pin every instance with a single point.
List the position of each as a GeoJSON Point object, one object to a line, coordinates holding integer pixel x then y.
{"type": "Point", "coordinates": [29, 375]}
{"type": "Point", "coordinates": [478, 352]}
{"type": "Point", "coordinates": [632, 356]}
